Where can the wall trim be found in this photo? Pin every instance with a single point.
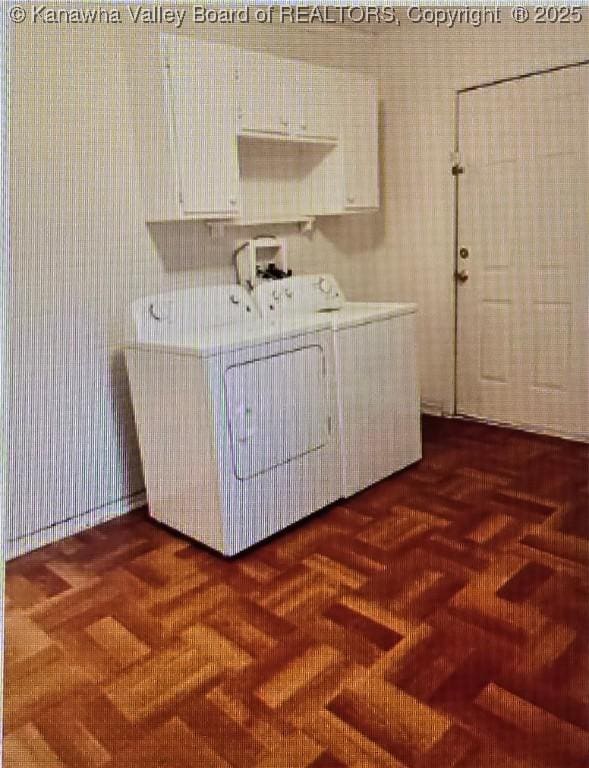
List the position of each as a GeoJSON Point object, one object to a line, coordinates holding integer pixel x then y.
{"type": "Point", "coordinates": [577, 437]}
{"type": "Point", "coordinates": [523, 76]}
{"type": "Point", "coordinates": [433, 409]}
{"type": "Point", "coordinates": [23, 544]}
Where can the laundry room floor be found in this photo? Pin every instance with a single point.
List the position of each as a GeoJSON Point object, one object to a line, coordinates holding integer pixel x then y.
{"type": "Point", "coordinates": [440, 618]}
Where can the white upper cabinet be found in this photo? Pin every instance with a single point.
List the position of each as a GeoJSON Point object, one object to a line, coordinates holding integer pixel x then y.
{"type": "Point", "coordinates": [252, 137]}
{"type": "Point", "coordinates": [263, 103]}
{"type": "Point", "coordinates": [319, 114]}
{"type": "Point", "coordinates": [202, 113]}
{"type": "Point", "coordinates": [359, 141]}
{"type": "Point", "coordinates": [285, 98]}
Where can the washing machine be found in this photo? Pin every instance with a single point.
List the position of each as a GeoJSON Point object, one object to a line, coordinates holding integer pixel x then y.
{"type": "Point", "coordinates": [236, 414]}
{"type": "Point", "coordinates": [376, 367]}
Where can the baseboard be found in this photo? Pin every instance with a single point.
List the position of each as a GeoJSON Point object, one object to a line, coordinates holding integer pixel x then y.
{"type": "Point", "coordinates": [578, 437]}
{"type": "Point", "coordinates": [432, 409]}
{"type": "Point", "coordinates": [23, 544]}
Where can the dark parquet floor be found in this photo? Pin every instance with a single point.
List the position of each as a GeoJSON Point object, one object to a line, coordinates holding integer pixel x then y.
{"type": "Point", "coordinates": [438, 619]}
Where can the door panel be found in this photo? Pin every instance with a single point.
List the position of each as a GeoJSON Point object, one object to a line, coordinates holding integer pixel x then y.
{"type": "Point", "coordinates": [495, 358]}
{"type": "Point", "coordinates": [202, 96]}
{"type": "Point", "coordinates": [551, 334]}
{"type": "Point", "coordinates": [265, 102]}
{"type": "Point", "coordinates": [278, 409]}
{"type": "Point", "coordinates": [522, 336]}
{"type": "Point", "coordinates": [359, 140]}
{"type": "Point", "coordinates": [318, 108]}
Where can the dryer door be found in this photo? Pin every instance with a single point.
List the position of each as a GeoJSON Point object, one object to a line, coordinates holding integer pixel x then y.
{"type": "Point", "coordinates": [278, 409]}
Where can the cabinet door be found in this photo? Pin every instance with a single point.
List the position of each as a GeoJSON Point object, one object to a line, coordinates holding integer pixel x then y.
{"type": "Point", "coordinates": [283, 97]}
{"type": "Point", "coordinates": [201, 91]}
{"type": "Point", "coordinates": [316, 111]}
{"type": "Point", "coordinates": [359, 141]}
{"type": "Point", "coordinates": [263, 105]}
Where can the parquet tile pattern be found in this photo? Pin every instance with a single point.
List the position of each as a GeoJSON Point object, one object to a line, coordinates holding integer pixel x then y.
{"type": "Point", "coordinates": [440, 619]}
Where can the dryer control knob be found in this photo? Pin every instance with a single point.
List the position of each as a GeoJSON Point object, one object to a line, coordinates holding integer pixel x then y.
{"type": "Point", "coordinates": [324, 285]}
{"type": "Point", "coordinates": [160, 311]}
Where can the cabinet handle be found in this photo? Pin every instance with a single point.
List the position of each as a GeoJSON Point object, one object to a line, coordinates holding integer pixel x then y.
{"type": "Point", "coordinates": [284, 122]}
{"type": "Point", "coordinates": [351, 198]}
{"type": "Point", "coordinates": [233, 201]}
{"type": "Point", "coordinates": [303, 127]}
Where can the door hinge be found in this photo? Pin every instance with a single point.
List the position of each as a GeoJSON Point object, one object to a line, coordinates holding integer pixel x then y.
{"type": "Point", "coordinates": [457, 169]}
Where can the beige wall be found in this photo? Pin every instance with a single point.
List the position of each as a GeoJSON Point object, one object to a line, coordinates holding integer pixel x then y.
{"type": "Point", "coordinates": [80, 250]}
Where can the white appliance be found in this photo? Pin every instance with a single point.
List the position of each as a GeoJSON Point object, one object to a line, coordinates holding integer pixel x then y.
{"type": "Point", "coordinates": [236, 415]}
{"type": "Point", "coordinates": [377, 379]}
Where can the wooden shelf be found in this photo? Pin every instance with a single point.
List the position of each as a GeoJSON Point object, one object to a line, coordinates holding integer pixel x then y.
{"type": "Point", "coordinates": [217, 226]}
{"type": "Point", "coordinates": [288, 137]}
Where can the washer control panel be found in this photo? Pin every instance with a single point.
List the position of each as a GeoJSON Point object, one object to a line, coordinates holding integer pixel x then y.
{"type": "Point", "coordinates": [303, 293]}
{"type": "Point", "coordinates": [177, 314]}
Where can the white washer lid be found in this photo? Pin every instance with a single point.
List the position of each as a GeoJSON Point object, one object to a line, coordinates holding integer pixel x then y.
{"type": "Point", "coordinates": [360, 313]}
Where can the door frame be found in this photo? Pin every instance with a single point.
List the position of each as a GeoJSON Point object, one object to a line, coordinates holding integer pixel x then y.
{"type": "Point", "coordinates": [456, 161]}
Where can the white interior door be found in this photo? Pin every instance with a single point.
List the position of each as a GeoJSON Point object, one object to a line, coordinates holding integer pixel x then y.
{"type": "Point", "coordinates": [522, 323]}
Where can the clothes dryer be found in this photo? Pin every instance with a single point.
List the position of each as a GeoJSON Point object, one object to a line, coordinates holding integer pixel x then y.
{"type": "Point", "coordinates": [236, 415]}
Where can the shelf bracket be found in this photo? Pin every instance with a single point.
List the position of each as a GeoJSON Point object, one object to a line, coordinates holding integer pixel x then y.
{"type": "Point", "coordinates": [306, 225]}
{"type": "Point", "coordinates": [216, 229]}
